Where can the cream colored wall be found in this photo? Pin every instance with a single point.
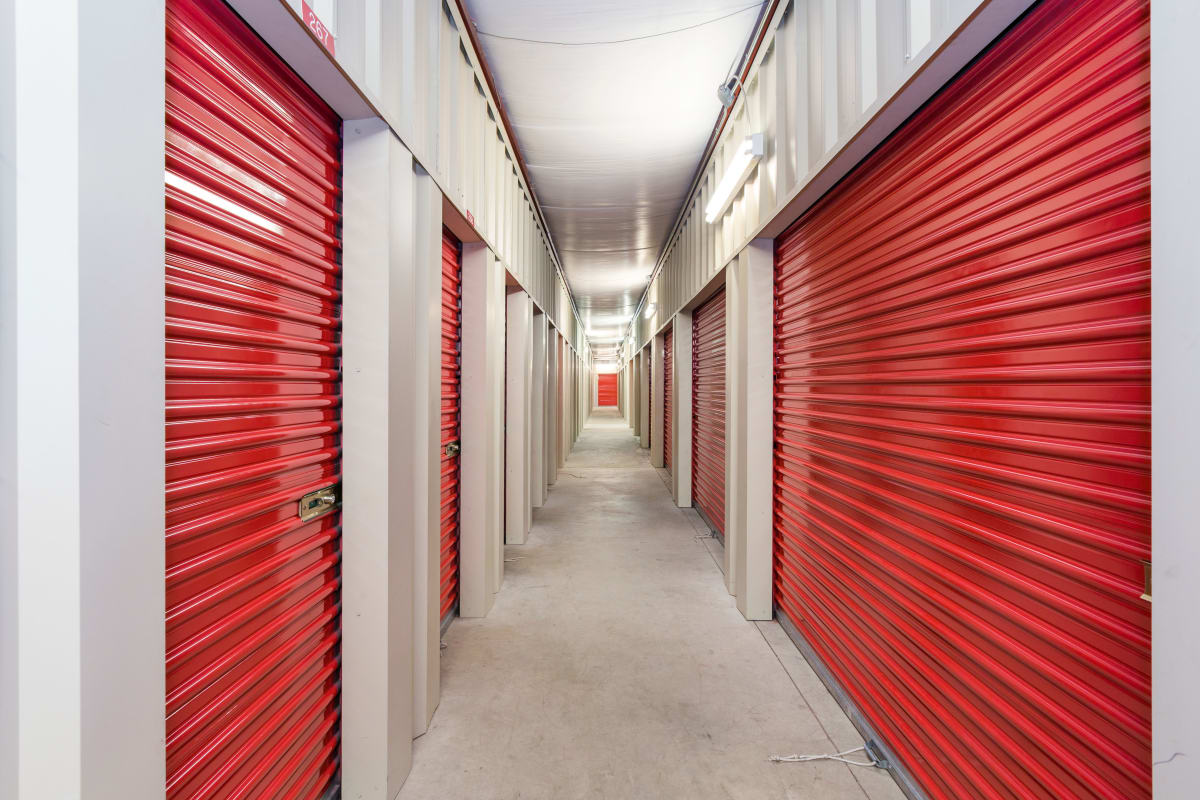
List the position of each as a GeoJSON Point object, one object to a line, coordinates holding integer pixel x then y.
{"type": "Point", "coordinates": [518, 374]}
{"type": "Point", "coordinates": [481, 463]}
{"type": "Point", "coordinates": [830, 81]}
{"type": "Point", "coordinates": [415, 65]}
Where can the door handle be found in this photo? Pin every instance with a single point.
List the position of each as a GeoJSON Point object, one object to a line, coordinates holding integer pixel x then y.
{"type": "Point", "coordinates": [453, 449]}
{"type": "Point", "coordinates": [314, 504]}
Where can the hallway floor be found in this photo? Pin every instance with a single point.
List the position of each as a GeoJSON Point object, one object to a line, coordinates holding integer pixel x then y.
{"type": "Point", "coordinates": [615, 664]}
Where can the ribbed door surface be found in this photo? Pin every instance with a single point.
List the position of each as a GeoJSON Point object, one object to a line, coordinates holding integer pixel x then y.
{"type": "Point", "coordinates": [451, 377]}
{"type": "Point", "coordinates": [962, 461]}
{"type": "Point", "coordinates": [668, 359]}
{"type": "Point", "coordinates": [253, 399]}
{"type": "Point", "coordinates": [606, 389]}
{"type": "Point", "coordinates": [708, 411]}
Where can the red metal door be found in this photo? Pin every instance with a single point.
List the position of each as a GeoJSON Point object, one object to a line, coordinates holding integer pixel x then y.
{"type": "Point", "coordinates": [668, 360]}
{"type": "Point", "coordinates": [253, 406]}
{"type": "Point", "coordinates": [606, 389]}
{"type": "Point", "coordinates": [451, 377]}
{"type": "Point", "coordinates": [962, 459]}
{"type": "Point", "coordinates": [708, 411]}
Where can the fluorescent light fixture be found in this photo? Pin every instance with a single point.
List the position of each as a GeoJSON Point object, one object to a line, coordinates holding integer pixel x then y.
{"type": "Point", "coordinates": [740, 166]}
{"type": "Point", "coordinates": [650, 309]}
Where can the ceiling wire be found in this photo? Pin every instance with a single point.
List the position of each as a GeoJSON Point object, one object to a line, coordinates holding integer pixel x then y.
{"type": "Point", "coordinates": [741, 10]}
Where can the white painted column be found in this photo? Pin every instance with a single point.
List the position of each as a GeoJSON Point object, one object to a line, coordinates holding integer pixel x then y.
{"type": "Point", "coordinates": [656, 402]}
{"type": "Point", "coordinates": [537, 413]}
{"type": "Point", "coordinates": [518, 375]}
{"type": "Point", "coordinates": [735, 420]}
{"type": "Point", "coordinates": [528, 409]}
{"type": "Point", "coordinates": [635, 387]}
{"type": "Point", "coordinates": [10, 679]}
{"type": "Point", "coordinates": [1175, 118]}
{"type": "Point", "coordinates": [426, 386]}
{"type": "Point", "coordinates": [750, 447]}
{"type": "Point", "coordinates": [644, 378]}
{"type": "Point", "coordinates": [564, 399]}
{"type": "Point", "coordinates": [551, 399]}
{"type": "Point", "coordinates": [681, 415]}
{"type": "Point", "coordinates": [635, 391]}
{"type": "Point", "coordinates": [631, 387]}
{"type": "Point", "coordinates": [380, 414]}
{"type": "Point", "coordinates": [82, 647]}
{"type": "Point", "coordinates": [481, 462]}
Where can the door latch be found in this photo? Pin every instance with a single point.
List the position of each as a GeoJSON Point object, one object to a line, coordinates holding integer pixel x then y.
{"type": "Point", "coordinates": [314, 504]}
{"type": "Point", "coordinates": [452, 449]}
{"type": "Point", "coordinates": [1146, 581]}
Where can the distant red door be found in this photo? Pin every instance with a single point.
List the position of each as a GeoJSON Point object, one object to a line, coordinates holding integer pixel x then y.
{"type": "Point", "coordinates": [708, 411]}
{"type": "Point", "coordinates": [606, 389]}
{"type": "Point", "coordinates": [451, 404]}
{"type": "Point", "coordinates": [962, 420]}
{"type": "Point", "coordinates": [253, 408]}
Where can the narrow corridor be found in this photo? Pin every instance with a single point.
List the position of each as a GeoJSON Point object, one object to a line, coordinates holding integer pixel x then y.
{"type": "Point", "coordinates": [615, 664]}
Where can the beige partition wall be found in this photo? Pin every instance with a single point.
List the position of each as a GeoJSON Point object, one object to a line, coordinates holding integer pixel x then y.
{"type": "Point", "coordinates": [518, 372]}
{"type": "Point", "coordinates": [82, 654]}
{"type": "Point", "coordinates": [656, 401]}
{"type": "Point", "coordinates": [537, 413]}
{"type": "Point", "coordinates": [392, 277]}
{"type": "Point", "coordinates": [828, 83]}
{"type": "Point", "coordinates": [564, 403]}
{"type": "Point", "coordinates": [481, 463]}
{"type": "Point", "coordinates": [427, 388]}
{"type": "Point", "coordinates": [681, 414]}
{"type": "Point", "coordinates": [550, 459]}
{"type": "Point", "coordinates": [644, 378]}
{"type": "Point", "coordinates": [749, 452]}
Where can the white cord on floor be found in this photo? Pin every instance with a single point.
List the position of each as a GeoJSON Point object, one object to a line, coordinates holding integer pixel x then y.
{"type": "Point", "coordinates": [793, 759]}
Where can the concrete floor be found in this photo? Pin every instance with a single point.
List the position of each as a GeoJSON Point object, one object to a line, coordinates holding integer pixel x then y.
{"type": "Point", "coordinates": [615, 664]}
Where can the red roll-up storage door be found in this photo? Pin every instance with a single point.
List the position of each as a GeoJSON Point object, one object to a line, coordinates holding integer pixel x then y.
{"type": "Point", "coordinates": [668, 359]}
{"type": "Point", "coordinates": [451, 383]}
{"type": "Point", "coordinates": [606, 389]}
{"type": "Point", "coordinates": [708, 411]}
{"type": "Point", "coordinates": [962, 461]}
{"type": "Point", "coordinates": [253, 406]}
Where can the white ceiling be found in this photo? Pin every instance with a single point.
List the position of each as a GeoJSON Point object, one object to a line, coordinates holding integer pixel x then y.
{"type": "Point", "coordinates": [611, 132]}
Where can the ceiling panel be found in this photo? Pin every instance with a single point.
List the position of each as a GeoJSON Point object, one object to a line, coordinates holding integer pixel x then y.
{"type": "Point", "coordinates": [611, 131]}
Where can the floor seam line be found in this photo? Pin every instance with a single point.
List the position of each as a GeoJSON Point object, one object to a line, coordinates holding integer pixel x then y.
{"type": "Point", "coordinates": [808, 705]}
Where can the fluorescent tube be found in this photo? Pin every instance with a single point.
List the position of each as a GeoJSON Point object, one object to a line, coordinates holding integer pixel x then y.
{"type": "Point", "coordinates": [740, 166]}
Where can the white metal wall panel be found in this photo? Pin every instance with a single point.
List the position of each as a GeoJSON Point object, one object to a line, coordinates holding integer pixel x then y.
{"type": "Point", "coordinates": [807, 94]}
{"type": "Point", "coordinates": [419, 68]}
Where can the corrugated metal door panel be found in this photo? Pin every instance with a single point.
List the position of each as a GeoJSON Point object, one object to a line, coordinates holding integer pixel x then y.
{"type": "Point", "coordinates": [962, 459]}
{"type": "Point", "coordinates": [708, 411]}
{"type": "Point", "coordinates": [668, 394]}
{"type": "Point", "coordinates": [253, 405]}
{"type": "Point", "coordinates": [451, 404]}
{"type": "Point", "coordinates": [606, 389]}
